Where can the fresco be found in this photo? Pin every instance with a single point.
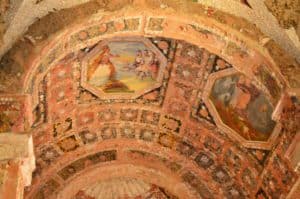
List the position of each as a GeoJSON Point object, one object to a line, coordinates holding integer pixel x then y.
{"type": "Point", "coordinates": [123, 67]}
{"type": "Point", "coordinates": [270, 82]}
{"type": "Point", "coordinates": [243, 107]}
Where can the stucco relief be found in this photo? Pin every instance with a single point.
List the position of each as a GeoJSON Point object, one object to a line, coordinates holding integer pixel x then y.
{"type": "Point", "coordinates": [151, 88]}
{"type": "Point", "coordinates": [74, 123]}
{"type": "Point", "coordinates": [84, 97]}
{"type": "Point", "coordinates": [123, 188]}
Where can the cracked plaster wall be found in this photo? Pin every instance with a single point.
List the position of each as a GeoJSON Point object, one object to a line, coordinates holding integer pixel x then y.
{"type": "Point", "coordinates": [24, 13]}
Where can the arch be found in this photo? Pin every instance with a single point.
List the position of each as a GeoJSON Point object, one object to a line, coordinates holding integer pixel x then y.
{"type": "Point", "coordinates": [130, 159]}
{"type": "Point", "coordinates": [173, 185]}
{"type": "Point", "coordinates": [174, 127]}
{"type": "Point", "coordinates": [205, 33]}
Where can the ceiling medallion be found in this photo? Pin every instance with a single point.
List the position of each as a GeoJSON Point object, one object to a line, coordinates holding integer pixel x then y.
{"type": "Point", "coordinates": [123, 68]}
{"type": "Point", "coordinates": [241, 109]}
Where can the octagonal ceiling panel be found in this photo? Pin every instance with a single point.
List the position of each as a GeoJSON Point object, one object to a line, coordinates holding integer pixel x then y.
{"type": "Point", "coordinates": [123, 68]}
{"type": "Point", "coordinates": [240, 107]}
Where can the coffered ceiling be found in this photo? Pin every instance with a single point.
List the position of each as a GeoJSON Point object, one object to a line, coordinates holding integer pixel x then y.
{"type": "Point", "coordinates": [154, 99]}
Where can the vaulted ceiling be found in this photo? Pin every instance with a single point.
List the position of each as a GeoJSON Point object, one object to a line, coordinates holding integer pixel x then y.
{"type": "Point", "coordinates": [154, 99]}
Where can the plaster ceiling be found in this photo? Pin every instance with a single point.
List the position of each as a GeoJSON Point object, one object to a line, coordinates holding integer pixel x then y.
{"type": "Point", "coordinates": [175, 128]}
{"type": "Point", "coordinates": [135, 96]}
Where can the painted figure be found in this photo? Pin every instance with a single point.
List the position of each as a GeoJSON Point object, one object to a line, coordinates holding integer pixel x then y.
{"type": "Point", "coordinates": [103, 63]}
{"type": "Point", "coordinates": [106, 70]}
{"type": "Point", "coordinates": [245, 92]}
{"type": "Point", "coordinates": [147, 67]}
{"type": "Point", "coordinates": [123, 66]}
{"type": "Point", "coordinates": [243, 107]}
{"type": "Point", "coordinates": [138, 58]}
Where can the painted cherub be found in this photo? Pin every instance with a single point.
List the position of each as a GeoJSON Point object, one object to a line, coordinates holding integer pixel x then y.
{"type": "Point", "coordinates": [147, 67]}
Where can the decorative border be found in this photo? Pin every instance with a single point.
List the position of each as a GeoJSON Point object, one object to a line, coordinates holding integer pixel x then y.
{"type": "Point", "coordinates": [75, 41]}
